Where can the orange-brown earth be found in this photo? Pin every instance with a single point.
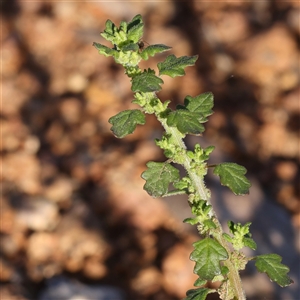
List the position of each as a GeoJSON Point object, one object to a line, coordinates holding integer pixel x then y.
{"type": "Point", "coordinates": [72, 200]}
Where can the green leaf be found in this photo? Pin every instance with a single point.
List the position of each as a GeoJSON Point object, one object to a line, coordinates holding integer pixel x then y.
{"type": "Point", "coordinates": [202, 104]}
{"type": "Point", "coordinates": [191, 221]}
{"type": "Point", "coordinates": [173, 66]}
{"type": "Point", "coordinates": [135, 29]}
{"type": "Point", "coordinates": [185, 121]}
{"type": "Point", "coordinates": [153, 49]}
{"type": "Point", "coordinates": [109, 31]}
{"type": "Point", "coordinates": [125, 122]}
{"type": "Point", "coordinates": [209, 224]}
{"type": "Point", "coordinates": [241, 235]}
{"type": "Point", "coordinates": [189, 118]}
{"type": "Point", "coordinates": [128, 46]}
{"type": "Point", "coordinates": [232, 176]}
{"type": "Point", "coordinates": [158, 176]}
{"type": "Point", "coordinates": [105, 50]}
{"type": "Point", "coordinates": [207, 254]}
{"type": "Point", "coordinates": [197, 294]}
{"type": "Point", "coordinates": [272, 266]}
{"type": "Point", "coordinates": [224, 270]}
{"type": "Point", "coordinates": [200, 282]}
{"type": "Point", "coordinates": [146, 82]}
{"type": "Point", "coordinates": [249, 242]}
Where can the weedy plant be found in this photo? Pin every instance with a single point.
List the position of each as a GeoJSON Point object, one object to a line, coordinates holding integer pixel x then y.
{"type": "Point", "coordinates": [217, 255]}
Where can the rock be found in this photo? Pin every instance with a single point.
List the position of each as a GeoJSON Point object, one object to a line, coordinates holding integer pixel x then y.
{"type": "Point", "coordinates": [9, 292]}
{"type": "Point", "coordinates": [37, 214]}
{"type": "Point", "coordinates": [70, 110]}
{"type": "Point", "coordinates": [43, 256]}
{"type": "Point", "coordinates": [267, 58]}
{"type": "Point", "coordinates": [23, 170]}
{"type": "Point", "coordinates": [6, 271]}
{"type": "Point", "coordinates": [76, 83]}
{"type": "Point", "coordinates": [63, 288]}
{"type": "Point", "coordinates": [177, 270]}
{"type": "Point", "coordinates": [147, 282]}
{"type": "Point", "coordinates": [60, 191]}
{"type": "Point", "coordinates": [83, 250]}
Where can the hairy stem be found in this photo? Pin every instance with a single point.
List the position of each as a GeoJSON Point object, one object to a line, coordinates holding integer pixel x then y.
{"type": "Point", "coordinates": [204, 194]}
{"type": "Point", "coordinates": [233, 275]}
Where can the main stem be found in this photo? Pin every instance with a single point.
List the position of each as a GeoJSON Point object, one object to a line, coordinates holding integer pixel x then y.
{"type": "Point", "coordinates": [198, 183]}
{"type": "Point", "coordinates": [233, 275]}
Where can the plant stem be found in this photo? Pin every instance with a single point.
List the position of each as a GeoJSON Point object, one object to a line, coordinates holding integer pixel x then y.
{"type": "Point", "coordinates": [198, 182]}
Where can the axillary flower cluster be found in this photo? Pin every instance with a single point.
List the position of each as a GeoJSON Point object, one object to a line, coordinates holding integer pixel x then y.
{"type": "Point", "coordinates": [217, 255]}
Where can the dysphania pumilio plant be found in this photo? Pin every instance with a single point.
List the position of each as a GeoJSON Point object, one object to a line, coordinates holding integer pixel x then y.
{"type": "Point", "coordinates": [217, 255]}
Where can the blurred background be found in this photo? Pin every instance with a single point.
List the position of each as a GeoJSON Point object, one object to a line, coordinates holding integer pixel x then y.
{"type": "Point", "coordinates": [75, 221]}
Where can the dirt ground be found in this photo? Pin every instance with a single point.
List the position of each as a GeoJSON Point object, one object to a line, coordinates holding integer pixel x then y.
{"type": "Point", "coordinates": [73, 206]}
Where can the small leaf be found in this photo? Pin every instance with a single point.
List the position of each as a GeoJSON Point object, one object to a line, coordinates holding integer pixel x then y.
{"type": "Point", "coordinates": [153, 49]}
{"type": "Point", "coordinates": [202, 104]}
{"type": "Point", "coordinates": [249, 242]}
{"type": "Point", "coordinates": [185, 121]}
{"type": "Point", "coordinates": [197, 294]}
{"type": "Point", "coordinates": [207, 254]}
{"type": "Point", "coordinates": [105, 50]}
{"type": "Point", "coordinates": [200, 282]}
{"type": "Point", "coordinates": [224, 270]}
{"type": "Point", "coordinates": [125, 122]}
{"type": "Point", "coordinates": [209, 224]}
{"type": "Point", "coordinates": [272, 266]}
{"type": "Point", "coordinates": [232, 176]}
{"type": "Point", "coordinates": [146, 82]}
{"type": "Point", "coordinates": [158, 176]}
{"type": "Point", "coordinates": [173, 66]}
{"type": "Point", "coordinates": [191, 221]}
{"type": "Point", "coordinates": [128, 47]}
{"type": "Point", "coordinates": [109, 31]}
{"type": "Point", "coordinates": [227, 237]}
{"type": "Point", "coordinates": [135, 29]}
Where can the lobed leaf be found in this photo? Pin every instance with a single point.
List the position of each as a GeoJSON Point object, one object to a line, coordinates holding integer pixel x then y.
{"type": "Point", "coordinates": [158, 176]}
{"type": "Point", "coordinates": [153, 49]}
{"type": "Point", "coordinates": [125, 122]}
{"type": "Point", "coordinates": [200, 282]}
{"type": "Point", "coordinates": [272, 266]}
{"type": "Point", "coordinates": [207, 254]}
{"type": "Point", "coordinates": [250, 243]}
{"type": "Point", "coordinates": [106, 51]}
{"type": "Point", "coordinates": [173, 66]}
{"type": "Point", "coordinates": [129, 46]}
{"type": "Point", "coordinates": [232, 176]}
{"type": "Point", "coordinates": [202, 103]}
{"type": "Point", "coordinates": [197, 294]}
{"type": "Point", "coordinates": [109, 31]}
{"type": "Point", "coordinates": [135, 29]}
{"type": "Point", "coordinates": [191, 221]}
{"type": "Point", "coordinates": [185, 121]}
{"type": "Point", "coordinates": [146, 82]}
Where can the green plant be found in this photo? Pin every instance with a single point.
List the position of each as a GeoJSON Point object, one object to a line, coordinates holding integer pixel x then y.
{"type": "Point", "coordinates": [217, 255]}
